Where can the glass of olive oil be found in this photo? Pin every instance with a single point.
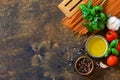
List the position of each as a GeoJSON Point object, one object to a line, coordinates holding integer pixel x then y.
{"type": "Point", "coordinates": [96, 46]}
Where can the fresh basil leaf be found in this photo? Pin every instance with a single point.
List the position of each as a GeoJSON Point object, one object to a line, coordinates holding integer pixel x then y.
{"type": "Point", "coordinates": [101, 25]}
{"type": "Point", "coordinates": [94, 25]}
{"type": "Point", "coordinates": [103, 16]}
{"type": "Point", "coordinates": [90, 4]}
{"type": "Point", "coordinates": [83, 7]}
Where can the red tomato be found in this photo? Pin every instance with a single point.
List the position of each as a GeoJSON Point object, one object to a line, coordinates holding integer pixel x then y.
{"type": "Point", "coordinates": [118, 46]}
{"type": "Point", "coordinates": [111, 35]}
{"type": "Point", "coordinates": [112, 60]}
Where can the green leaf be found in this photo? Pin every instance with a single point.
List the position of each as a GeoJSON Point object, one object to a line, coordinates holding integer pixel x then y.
{"type": "Point", "coordinates": [88, 26]}
{"type": "Point", "coordinates": [115, 51]}
{"type": "Point", "coordinates": [108, 52]}
{"type": "Point", "coordinates": [90, 29]}
{"type": "Point", "coordinates": [114, 43]}
{"type": "Point", "coordinates": [94, 25]}
{"type": "Point", "coordinates": [90, 4]}
{"type": "Point", "coordinates": [92, 11]}
{"type": "Point", "coordinates": [101, 25]}
{"type": "Point", "coordinates": [95, 19]}
{"type": "Point", "coordinates": [83, 7]}
{"type": "Point", "coordinates": [98, 8]}
{"type": "Point", "coordinates": [103, 16]}
{"type": "Point", "coordinates": [88, 17]}
{"type": "Point", "coordinates": [85, 14]}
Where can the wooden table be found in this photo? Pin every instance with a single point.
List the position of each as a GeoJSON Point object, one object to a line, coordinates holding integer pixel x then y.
{"type": "Point", "coordinates": [25, 24]}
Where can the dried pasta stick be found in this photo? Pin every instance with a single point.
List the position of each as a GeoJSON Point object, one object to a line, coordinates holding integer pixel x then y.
{"type": "Point", "coordinates": [97, 2]}
{"type": "Point", "coordinates": [77, 21]}
{"type": "Point", "coordinates": [113, 8]}
{"type": "Point", "coordinates": [83, 31]}
{"type": "Point", "coordinates": [79, 26]}
{"type": "Point", "coordinates": [118, 14]}
{"type": "Point", "coordinates": [71, 22]}
{"type": "Point", "coordinates": [76, 16]}
{"type": "Point", "coordinates": [108, 3]}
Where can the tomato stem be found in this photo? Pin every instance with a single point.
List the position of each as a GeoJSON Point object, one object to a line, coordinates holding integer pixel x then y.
{"type": "Point", "coordinates": [109, 33]}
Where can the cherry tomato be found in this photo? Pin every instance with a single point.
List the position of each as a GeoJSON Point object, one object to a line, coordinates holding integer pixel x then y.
{"type": "Point", "coordinates": [111, 35]}
{"type": "Point", "coordinates": [118, 46]}
{"type": "Point", "coordinates": [112, 60]}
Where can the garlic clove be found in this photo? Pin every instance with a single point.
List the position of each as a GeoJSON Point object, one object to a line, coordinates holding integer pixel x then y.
{"type": "Point", "coordinates": [102, 65]}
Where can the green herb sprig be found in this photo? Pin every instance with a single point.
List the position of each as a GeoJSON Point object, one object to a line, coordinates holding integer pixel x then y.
{"type": "Point", "coordinates": [94, 16]}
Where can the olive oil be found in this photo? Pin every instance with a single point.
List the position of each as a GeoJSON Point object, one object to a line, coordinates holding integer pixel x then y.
{"type": "Point", "coordinates": [96, 46]}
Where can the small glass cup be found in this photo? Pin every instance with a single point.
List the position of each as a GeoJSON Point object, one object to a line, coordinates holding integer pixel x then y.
{"type": "Point", "coordinates": [99, 37]}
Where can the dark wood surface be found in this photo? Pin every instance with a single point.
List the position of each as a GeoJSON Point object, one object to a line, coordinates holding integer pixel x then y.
{"type": "Point", "coordinates": [25, 24]}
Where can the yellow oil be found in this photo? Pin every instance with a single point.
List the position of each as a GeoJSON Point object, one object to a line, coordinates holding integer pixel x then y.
{"type": "Point", "coordinates": [96, 46]}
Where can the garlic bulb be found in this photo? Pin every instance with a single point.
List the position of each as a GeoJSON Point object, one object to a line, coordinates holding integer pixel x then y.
{"type": "Point", "coordinates": [113, 23]}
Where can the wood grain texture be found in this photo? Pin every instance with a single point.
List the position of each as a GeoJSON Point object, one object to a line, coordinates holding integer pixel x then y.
{"type": "Point", "coordinates": [26, 25]}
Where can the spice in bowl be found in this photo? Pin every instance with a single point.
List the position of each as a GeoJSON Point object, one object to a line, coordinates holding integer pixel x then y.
{"type": "Point", "coordinates": [84, 65]}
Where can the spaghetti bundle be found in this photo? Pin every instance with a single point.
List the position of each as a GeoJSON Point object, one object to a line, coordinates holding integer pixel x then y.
{"type": "Point", "coordinates": [75, 22]}
{"type": "Point", "coordinates": [112, 7]}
